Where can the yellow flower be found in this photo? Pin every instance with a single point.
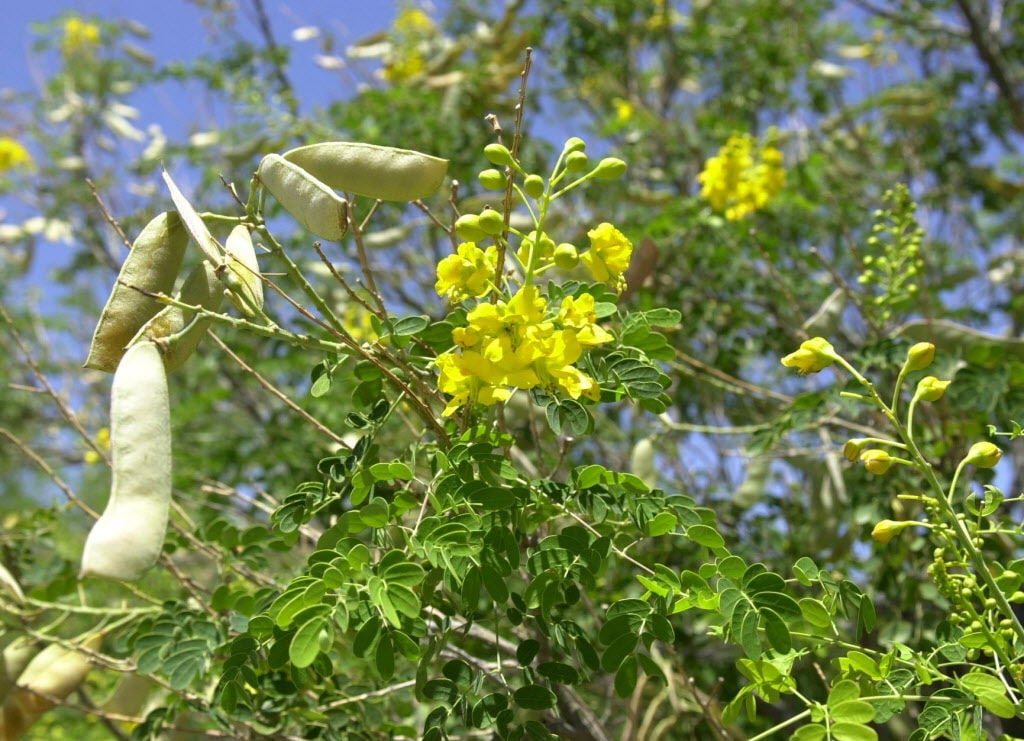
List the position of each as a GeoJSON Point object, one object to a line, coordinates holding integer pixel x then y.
{"type": "Point", "coordinates": [13, 154]}
{"type": "Point", "coordinates": [468, 273]}
{"type": "Point", "coordinates": [739, 179]}
{"type": "Point", "coordinates": [814, 355]}
{"type": "Point", "coordinates": [608, 256]}
{"type": "Point", "coordinates": [412, 29]}
{"type": "Point", "coordinates": [79, 36]}
{"type": "Point", "coordinates": [103, 442]}
{"type": "Point", "coordinates": [624, 110]}
{"type": "Point", "coordinates": [579, 314]}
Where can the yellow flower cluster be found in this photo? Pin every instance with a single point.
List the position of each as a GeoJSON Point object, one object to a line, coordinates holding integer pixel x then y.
{"type": "Point", "coordinates": [12, 154]}
{"type": "Point", "coordinates": [741, 178]}
{"type": "Point", "coordinates": [520, 344]}
{"type": "Point", "coordinates": [469, 273]}
{"type": "Point", "coordinates": [79, 36]}
{"type": "Point", "coordinates": [412, 27]}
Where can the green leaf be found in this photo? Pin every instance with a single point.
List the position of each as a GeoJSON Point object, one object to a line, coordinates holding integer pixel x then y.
{"type": "Point", "coordinates": [663, 522]}
{"type": "Point", "coordinates": [366, 636]}
{"type": "Point", "coordinates": [806, 570]}
{"type": "Point", "coordinates": [852, 711]}
{"type": "Point", "coordinates": [705, 536]}
{"type": "Point", "coordinates": [527, 651]}
{"type": "Point", "coordinates": [990, 693]}
{"type": "Point", "coordinates": [852, 732]}
{"type": "Point", "coordinates": [305, 643]}
{"type": "Point", "coordinates": [814, 612]}
{"type": "Point", "coordinates": [617, 652]}
{"type": "Point", "coordinates": [384, 657]}
{"type": "Point", "coordinates": [556, 671]}
{"type": "Point", "coordinates": [568, 417]}
{"type": "Point", "coordinates": [626, 677]}
{"type": "Point", "coordinates": [843, 691]}
{"type": "Point", "coordinates": [810, 732]}
{"type": "Point", "coordinates": [534, 697]}
{"type": "Point", "coordinates": [776, 631]}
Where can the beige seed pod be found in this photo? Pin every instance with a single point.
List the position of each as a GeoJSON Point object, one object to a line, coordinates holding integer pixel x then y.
{"type": "Point", "coordinates": [247, 293]}
{"type": "Point", "coordinates": [193, 222]}
{"type": "Point", "coordinates": [176, 331]}
{"type": "Point", "coordinates": [13, 660]}
{"type": "Point", "coordinates": [52, 675]}
{"type": "Point", "coordinates": [386, 173]}
{"type": "Point", "coordinates": [313, 204]}
{"type": "Point", "coordinates": [152, 265]}
{"type": "Point", "coordinates": [641, 462]}
{"type": "Point", "coordinates": [126, 541]}
{"type": "Point", "coordinates": [10, 585]}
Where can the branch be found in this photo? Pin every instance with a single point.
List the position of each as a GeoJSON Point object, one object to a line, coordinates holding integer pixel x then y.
{"type": "Point", "coordinates": [991, 55]}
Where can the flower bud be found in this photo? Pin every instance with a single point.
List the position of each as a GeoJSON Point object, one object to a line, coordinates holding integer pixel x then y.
{"type": "Point", "coordinates": [814, 355]}
{"type": "Point", "coordinates": [886, 530]}
{"type": "Point", "coordinates": [492, 179]}
{"type": "Point", "coordinates": [877, 461]}
{"type": "Point", "coordinates": [853, 448]}
{"type": "Point", "coordinates": [533, 186]}
{"type": "Point", "coordinates": [577, 162]}
{"type": "Point", "coordinates": [498, 154]}
{"type": "Point", "coordinates": [491, 222]}
{"type": "Point", "coordinates": [574, 144]}
{"type": "Point", "coordinates": [930, 388]}
{"type": "Point", "coordinates": [920, 356]}
{"type": "Point", "coordinates": [566, 256]}
{"type": "Point", "coordinates": [984, 455]}
{"type": "Point", "coordinates": [610, 168]}
{"type": "Point", "coordinates": [467, 227]}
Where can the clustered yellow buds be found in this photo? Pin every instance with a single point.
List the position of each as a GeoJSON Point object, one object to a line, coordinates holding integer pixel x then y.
{"type": "Point", "coordinates": [983, 455]}
{"type": "Point", "coordinates": [876, 460]}
{"type": "Point", "coordinates": [741, 178]}
{"type": "Point", "coordinates": [852, 449]}
{"type": "Point", "coordinates": [814, 355]}
{"type": "Point", "coordinates": [79, 36]}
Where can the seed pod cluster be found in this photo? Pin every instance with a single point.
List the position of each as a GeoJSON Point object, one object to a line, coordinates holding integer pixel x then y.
{"type": "Point", "coordinates": [152, 265]}
{"type": "Point", "coordinates": [126, 541]}
{"type": "Point", "coordinates": [51, 675]}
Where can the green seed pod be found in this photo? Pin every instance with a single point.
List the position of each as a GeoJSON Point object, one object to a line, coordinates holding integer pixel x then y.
{"type": "Point", "coordinates": [370, 170]}
{"type": "Point", "coordinates": [55, 672]}
{"type": "Point", "coordinates": [176, 331]}
{"type": "Point", "coordinates": [152, 265]}
{"type": "Point", "coordinates": [574, 144]}
{"type": "Point", "coordinates": [567, 257]}
{"type": "Point", "coordinates": [126, 541]}
{"type": "Point", "coordinates": [242, 265]}
{"type": "Point", "coordinates": [533, 186]}
{"type": "Point", "coordinates": [313, 204]}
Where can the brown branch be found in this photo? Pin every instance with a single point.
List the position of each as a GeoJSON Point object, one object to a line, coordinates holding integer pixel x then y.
{"type": "Point", "coordinates": [992, 57]}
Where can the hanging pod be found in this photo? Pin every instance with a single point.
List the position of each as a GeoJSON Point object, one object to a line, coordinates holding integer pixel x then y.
{"type": "Point", "coordinates": [177, 331]}
{"type": "Point", "coordinates": [13, 660]}
{"type": "Point", "coordinates": [53, 674]}
{"type": "Point", "coordinates": [387, 173]}
{"type": "Point", "coordinates": [313, 204]}
{"type": "Point", "coordinates": [152, 265]}
{"type": "Point", "coordinates": [126, 541]}
{"type": "Point", "coordinates": [243, 272]}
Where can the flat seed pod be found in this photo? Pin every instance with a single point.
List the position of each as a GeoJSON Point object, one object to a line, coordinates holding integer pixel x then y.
{"type": "Point", "coordinates": [242, 264]}
{"type": "Point", "coordinates": [54, 672]}
{"type": "Point", "coordinates": [152, 265]}
{"type": "Point", "coordinates": [192, 221]}
{"type": "Point", "coordinates": [182, 329]}
{"type": "Point", "coordinates": [126, 541]}
{"type": "Point", "coordinates": [15, 657]}
{"type": "Point", "coordinates": [386, 173]}
{"type": "Point", "coordinates": [313, 204]}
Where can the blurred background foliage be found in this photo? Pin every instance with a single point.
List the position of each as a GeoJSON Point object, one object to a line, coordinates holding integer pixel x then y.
{"type": "Point", "coordinates": [858, 96]}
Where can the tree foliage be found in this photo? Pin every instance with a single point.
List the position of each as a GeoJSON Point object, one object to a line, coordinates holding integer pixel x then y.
{"type": "Point", "coordinates": [520, 458]}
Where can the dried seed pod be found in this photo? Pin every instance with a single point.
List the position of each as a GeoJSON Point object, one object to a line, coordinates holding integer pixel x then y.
{"type": "Point", "coordinates": [193, 222]}
{"type": "Point", "coordinates": [386, 173]}
{"type": "Point", "coordinates": [13, 660]}
{"type": "Point", "coordinates": [244, 281]}
{"type": "Point", "coordinates": [313, 204]}
{"type": "Point", "coordinates": [52, 675]}
{"type": "Point", "coordinates": [126, 541]}
{"type": "Point", "coordinates": [152, 265]}
{"type": "Point", "coordinates": [177, 331]}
